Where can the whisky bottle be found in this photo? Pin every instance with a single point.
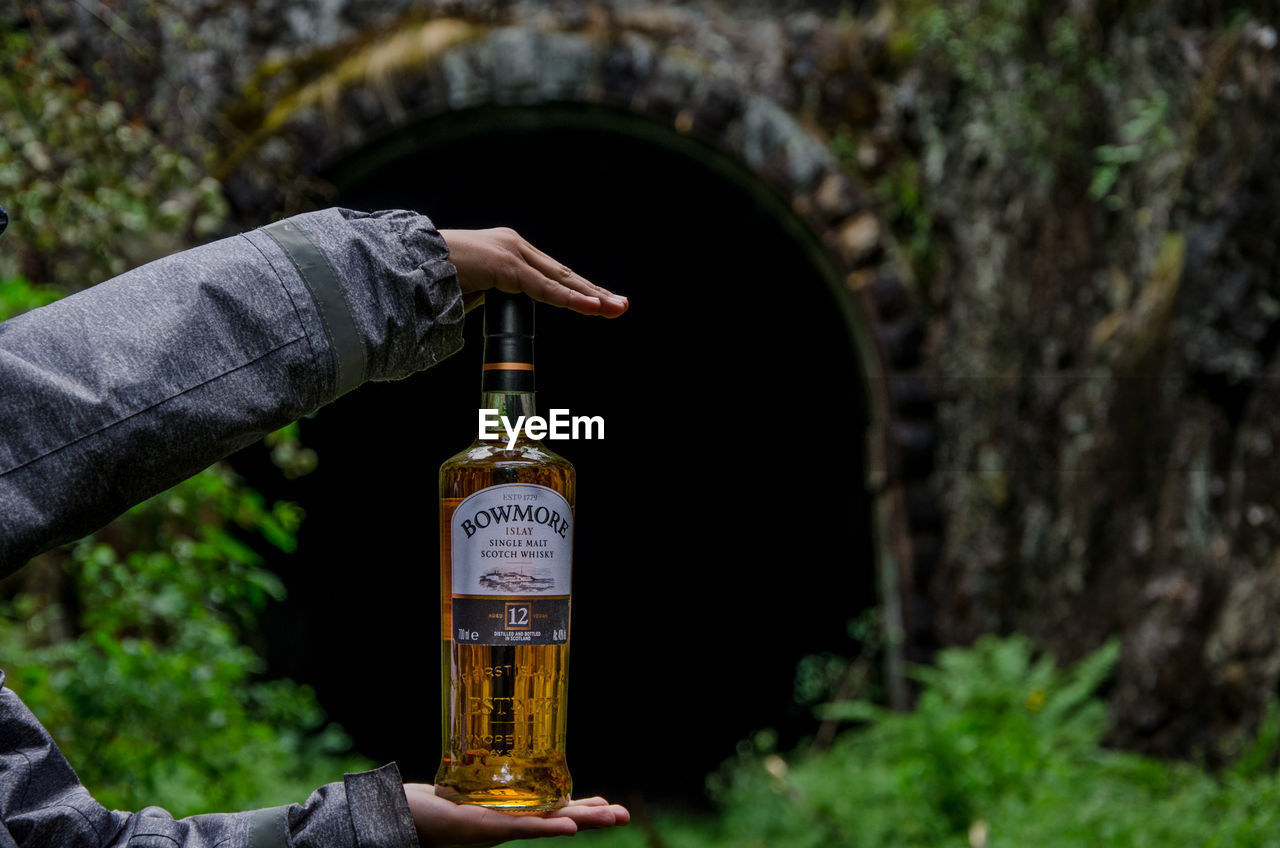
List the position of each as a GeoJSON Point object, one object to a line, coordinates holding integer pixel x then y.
{"type": "Point", "coordinates": [506, 542]}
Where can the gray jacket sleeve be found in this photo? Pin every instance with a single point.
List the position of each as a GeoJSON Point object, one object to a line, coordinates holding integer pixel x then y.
{"type": "Point", "coordinates": [43, 805]}
{"type": "Point", "coordinates": [115, 393]}
{"type": "Point", "coordinates": [126, 388]}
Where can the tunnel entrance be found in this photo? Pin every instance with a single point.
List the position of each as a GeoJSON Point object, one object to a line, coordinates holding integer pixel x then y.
{"type": "Point", "coordinates": [723, 524]}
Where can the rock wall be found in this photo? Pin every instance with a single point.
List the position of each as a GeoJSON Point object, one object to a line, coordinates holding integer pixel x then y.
{"type": "Point", "coordinates": [1105, 344]}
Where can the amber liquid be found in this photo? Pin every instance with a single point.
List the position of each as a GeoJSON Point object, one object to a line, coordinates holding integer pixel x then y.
{"type": "Point", "coordinates": [503, 705]}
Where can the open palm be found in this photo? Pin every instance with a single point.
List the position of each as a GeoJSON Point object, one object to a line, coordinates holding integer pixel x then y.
{"type": "Point", "coordinates": [440, 822]}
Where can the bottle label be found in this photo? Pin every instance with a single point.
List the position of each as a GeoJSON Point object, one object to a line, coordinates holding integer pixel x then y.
{"type": "Point", "coordinates": [511, 564]}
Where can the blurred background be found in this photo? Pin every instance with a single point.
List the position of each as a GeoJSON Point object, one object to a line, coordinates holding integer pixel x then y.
{"type": "Point", "coordinates": [936, 501]}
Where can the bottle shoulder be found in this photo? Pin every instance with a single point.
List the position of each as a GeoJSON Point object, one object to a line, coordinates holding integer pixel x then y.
{"type": "Point", "coordinates": [487, 464]}
{"type": "Point", "coordinates": [524, 452]}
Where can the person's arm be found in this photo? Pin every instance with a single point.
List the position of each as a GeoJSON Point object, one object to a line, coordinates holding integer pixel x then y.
{"type": "Point", "coordinates": [43, 805]}
{"type": "Point", "coordinates": [128, 387]}
{"type": "Point", "coordinates": [124, 389]}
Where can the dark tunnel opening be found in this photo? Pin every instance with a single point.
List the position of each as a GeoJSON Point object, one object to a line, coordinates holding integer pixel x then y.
{"type": "Point", "coordinates": [723, 526]}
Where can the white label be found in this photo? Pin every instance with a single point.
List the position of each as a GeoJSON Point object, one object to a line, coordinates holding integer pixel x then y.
{"type": "Point", "coordinates": [513, 539]}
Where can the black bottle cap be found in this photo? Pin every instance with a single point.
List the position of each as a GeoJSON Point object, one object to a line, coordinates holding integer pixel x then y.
{"type": "Point", "coordinates": [508, 342]}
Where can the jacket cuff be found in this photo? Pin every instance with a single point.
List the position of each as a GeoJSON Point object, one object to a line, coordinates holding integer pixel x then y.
{"type": "Point", "coordinates": [366, 810]}
{"type": "Point", "coordinates": [379, 809]}
{"type": "Point", "coordinates": [375, 292]}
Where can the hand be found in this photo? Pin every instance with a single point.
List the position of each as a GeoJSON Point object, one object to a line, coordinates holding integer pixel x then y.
{"type": "Point", "coordinates": [500, 258]}
{"type": "Point", "coordinates": [443, 823]}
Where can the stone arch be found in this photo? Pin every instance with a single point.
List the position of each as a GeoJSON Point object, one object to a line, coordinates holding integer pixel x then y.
{"type": "Point", "coordinates": [321, 108]}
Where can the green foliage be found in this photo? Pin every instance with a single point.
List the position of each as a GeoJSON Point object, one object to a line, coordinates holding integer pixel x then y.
{"type": "Point", "coordinates": [1026, 72]}
{"type": "Point", "coordinates": [91, 189]}
{"type": "Point", "coordinates": [18, 295]}
{"type": "Point", "coordinates": [288, 453]}
{"type": "Point", "coordinates": [1143, 136]}
{"type": "Point", "coordinates": [1003, 749]}
{"type": "Point", "coordinates": [1029, 77]}
{"type": "Point", "coordinates": [830, 676]}
{"type": "Point", "coordinates": [901, 191]}
{"type": "Point", "coordinates": [146, 683]}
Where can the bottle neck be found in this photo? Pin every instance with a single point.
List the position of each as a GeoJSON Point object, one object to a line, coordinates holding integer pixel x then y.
{"type": "Point", "coordinates": [510, 404]}
{"type": "Point", "coordinates": [507, 386]}
{"type": "Point", "coordinates": [506, 383]}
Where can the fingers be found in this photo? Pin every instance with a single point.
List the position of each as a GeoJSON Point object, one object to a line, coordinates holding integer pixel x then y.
{"type": "Point", "coordinates": [527, 827]}
{"type": "Point", "coordinates": [563, 274]}
{"type": "Point", "coordinates": [561, 285]}
{"type": "Point", "coordinates": [591, 813]}
{"type": "Point", "coordinates": [440, 822]}
{"type": "Point", "coordinates": [501, 258]}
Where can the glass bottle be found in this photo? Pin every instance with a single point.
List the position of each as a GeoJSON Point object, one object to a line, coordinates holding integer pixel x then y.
{"type": "Point", "coordinates": [506, 530]}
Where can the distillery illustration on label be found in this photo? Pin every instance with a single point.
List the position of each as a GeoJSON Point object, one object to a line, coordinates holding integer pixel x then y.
{"type": "Point", "coordinates": [506, 566]}
{"type": "Point", "coordinates": [517, 581]}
